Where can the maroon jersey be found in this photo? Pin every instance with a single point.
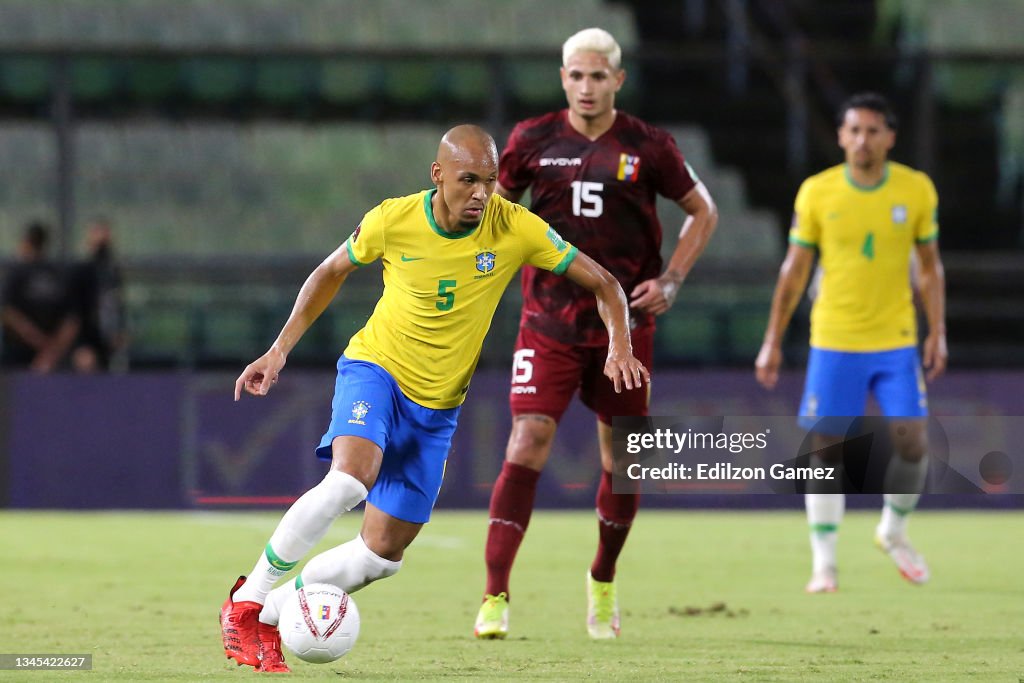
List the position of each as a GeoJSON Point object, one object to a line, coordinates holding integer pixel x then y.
{"type": "Point", "coordinates": [600, 195]}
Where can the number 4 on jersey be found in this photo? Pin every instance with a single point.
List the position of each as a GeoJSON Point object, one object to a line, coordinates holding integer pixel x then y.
{"type": "Point", "coordinates": [868, 250]}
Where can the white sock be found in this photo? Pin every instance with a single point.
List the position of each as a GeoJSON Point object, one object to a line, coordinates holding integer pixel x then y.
{"type": "Point", "coordinates": [894, 514]}
{"type": "Point", "coordinates": [824, 514]}
{"type": "Point", "coordinates": [302, 527]}
{"type": "Point", "coordinates": [349, 566]}
{"type": "Point", "coordinates": [904, 481]}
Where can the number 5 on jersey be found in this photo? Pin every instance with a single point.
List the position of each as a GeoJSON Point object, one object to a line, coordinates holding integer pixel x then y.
{"type": "Point", "coordinates": [444, 288]}
{"type": "Point", "coordinates": [586, 199]}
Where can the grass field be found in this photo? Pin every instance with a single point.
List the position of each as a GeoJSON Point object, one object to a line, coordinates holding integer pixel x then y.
{"type": "Point", "coordinates": [705, 596]}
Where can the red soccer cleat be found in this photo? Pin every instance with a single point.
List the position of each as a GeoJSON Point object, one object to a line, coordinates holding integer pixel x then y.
{"type": "Point", "coordinates": [238, 626]}
{"type": "Point", "coordinates": [271, 657]}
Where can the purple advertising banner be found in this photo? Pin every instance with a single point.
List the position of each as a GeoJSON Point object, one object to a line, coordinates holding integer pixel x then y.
{"type": "Point", "coordinates": [171, 441]}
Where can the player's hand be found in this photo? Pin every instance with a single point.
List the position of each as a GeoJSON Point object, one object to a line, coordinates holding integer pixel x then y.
{"type": "Point", "coordinates": [260, 375]}
{"type": "Point", "coordinates": [654, 296]}
{"type": "Point", "coordinates": [936, 355]}
{"type": "Point", "coordinates": [766, 367]}
{"type": "Point", "coordinates": [625, 371]}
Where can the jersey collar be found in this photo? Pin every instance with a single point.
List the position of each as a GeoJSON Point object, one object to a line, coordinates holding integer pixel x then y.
{"type": "Point", "coordinates": [428, 209]}
{"type": "Point", "coordinates": [866, 188]}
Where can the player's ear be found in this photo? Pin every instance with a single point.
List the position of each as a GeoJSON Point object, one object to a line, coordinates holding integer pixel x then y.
{"type": "Point", "coordinates": [435, 172]}
{"type": "Point", "coordinates": [620, 78]}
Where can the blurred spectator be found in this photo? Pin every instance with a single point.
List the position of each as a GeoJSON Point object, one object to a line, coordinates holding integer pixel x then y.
{"type": "Point", "coordinates": [39, 319]}
{"type": "Point", "coordinates": [98, 285]}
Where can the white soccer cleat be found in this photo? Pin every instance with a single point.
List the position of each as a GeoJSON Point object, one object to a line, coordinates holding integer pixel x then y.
{"type": "Point", "coordinates": [602, 609]}
{"type": "Point", "coordinates": [911, 563]}
{"type": "Point", "coordinates": [823, 581]}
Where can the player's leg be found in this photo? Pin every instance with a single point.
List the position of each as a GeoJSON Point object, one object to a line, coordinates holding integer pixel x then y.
{"type": "Point", "coordinates": [355, 446]}
{"type": "Point", "coordinates": [900, 391]}
{"type": "Point", "coordinates": [618, 498]}
{"type": "Point", "coordinates": [545, 375]}
{"type": "Point", "coordinates": [398, 505]}
{"type": "Point", "coordinates": [375, 553]}
{"type": "Point", "coordinates": [835, 391]}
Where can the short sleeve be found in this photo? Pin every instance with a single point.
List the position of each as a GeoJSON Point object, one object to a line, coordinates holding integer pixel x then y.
{"type": "Point", "coordinates": [804, 230]}
{"type": "Point", "coordinates": [366, 243]}
{"type": "Point", "coordinates": [514, 172]}
{"type": "Point", "coordinates": [927, 228]}
{"type": "Point", "coordinates": [542, 246]}
{"type": "Point", "coordinates": [673, 178]}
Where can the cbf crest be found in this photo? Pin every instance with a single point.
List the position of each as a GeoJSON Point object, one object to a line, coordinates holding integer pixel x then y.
{"type": "Point", "coordinates": [485, 262]}
{"type": "Point", "coordinates": [359, 411]}
{"type": "Point", "coordinates": [899, 214]}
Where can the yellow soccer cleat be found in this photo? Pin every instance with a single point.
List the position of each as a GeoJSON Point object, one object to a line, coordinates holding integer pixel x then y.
{"type": "Point", "coordinates": [492, 619]}
{"type": "Point", "coordinates": [602, 609]}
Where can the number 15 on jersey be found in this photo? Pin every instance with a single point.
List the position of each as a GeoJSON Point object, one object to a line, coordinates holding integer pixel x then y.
{"type": "Point", "coordinates": [586, 199]}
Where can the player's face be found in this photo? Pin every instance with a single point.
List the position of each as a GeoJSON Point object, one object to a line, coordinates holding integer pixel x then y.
{"type": "Point", "coordinates": [590, 84]}
{"type": "Point", "coordinates": [866, 138]}
{"type": "Point", "coordinates": [466, 183]}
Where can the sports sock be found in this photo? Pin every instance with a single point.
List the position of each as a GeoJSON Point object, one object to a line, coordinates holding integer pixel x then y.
{"type": "Point", "coordinates": [824, 514]}
{"type": "Point", "coordinates": [511, 507]}
{"type": "Point", "coordinates": [905, 479]}
{"type": "Point", "coordinates": [615, 514]}
{"type": "Point", "coordinates": [350, 566]}
{"type": "Point", "coordinates": [305, 523]}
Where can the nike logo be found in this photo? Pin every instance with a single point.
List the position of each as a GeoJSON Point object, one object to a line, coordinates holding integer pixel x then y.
{"type": "Point", "coordinates": [412, 258]}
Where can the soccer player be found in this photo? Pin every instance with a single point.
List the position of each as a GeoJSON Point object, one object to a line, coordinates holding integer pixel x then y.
{"type": "Point", "coordinates": [594, 173]}
{"type": "Point", "coordinates": [448, 255]}
{"type": "Point", "coordinates": [865, 219]}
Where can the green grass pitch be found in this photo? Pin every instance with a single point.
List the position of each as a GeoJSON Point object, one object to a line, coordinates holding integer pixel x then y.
{"type": "Point", "coordinates": [705, 596]}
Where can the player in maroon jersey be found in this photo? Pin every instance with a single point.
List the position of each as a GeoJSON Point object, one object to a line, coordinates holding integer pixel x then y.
{"type": "Point", "coordinates": [594, 173]}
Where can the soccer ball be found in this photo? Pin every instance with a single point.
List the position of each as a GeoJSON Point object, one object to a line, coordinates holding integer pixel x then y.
{"type": "Point", "coordinates": [319, 623]}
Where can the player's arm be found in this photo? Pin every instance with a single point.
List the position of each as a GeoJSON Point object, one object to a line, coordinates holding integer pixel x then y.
{"type": "Point", "coordinates": [620, 367]}
{"type": "Point", "coordinates": [793, 275]}
{"type": "Point", "coordinates": [511, 195]}
{"type": "Point", "coordinates": [24, 328]}
{"type": "Point", "coordinates": [931, 282]}
{"type": "Point", "coordinates": [57, 346]}
{"type": "Point", "coordinates": [657, 295]}
{"type": "Point", "coordinates": [316, 294]}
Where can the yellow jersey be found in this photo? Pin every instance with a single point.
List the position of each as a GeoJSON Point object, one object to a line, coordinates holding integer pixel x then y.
{"type": "Point", "coordinates": [864, 237]}
{"type": "Point", "coordinates": [441, 289]}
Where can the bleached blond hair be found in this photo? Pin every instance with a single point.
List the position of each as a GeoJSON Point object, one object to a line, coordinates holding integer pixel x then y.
{"type": "Point", "coordinates": [593, 40]}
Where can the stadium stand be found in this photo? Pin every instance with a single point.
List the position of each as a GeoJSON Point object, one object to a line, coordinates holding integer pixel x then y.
{"type": "Point", "coordinates": [215, 121]}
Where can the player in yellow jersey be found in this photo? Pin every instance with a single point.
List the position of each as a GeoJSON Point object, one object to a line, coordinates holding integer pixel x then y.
{"type": "Point", "coordinates": [448, 255]}
{"type": "Point", "coordinates": [865, 219]}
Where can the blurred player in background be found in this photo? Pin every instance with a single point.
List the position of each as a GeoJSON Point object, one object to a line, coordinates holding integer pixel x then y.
{"type": "Point", "coordinates": [99, 285]}
{"type": "Point", "coordinates": [448, 256]}
{"type": "Point", "coordinates": [593, 173]}
{"type": "Point", "coordinates": [865, 219]}
{"type": "Point", "coordinates": [37, 309]}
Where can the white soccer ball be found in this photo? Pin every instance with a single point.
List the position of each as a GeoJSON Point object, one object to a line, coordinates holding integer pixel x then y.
{"type": "Point", "coordinates": [319, 623]}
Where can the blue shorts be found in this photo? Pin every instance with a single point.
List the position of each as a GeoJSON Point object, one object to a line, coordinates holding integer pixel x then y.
{"type": "Point", "coordinates": [415, 440]}
{"type": "Point", "coordinates": [838, 384]}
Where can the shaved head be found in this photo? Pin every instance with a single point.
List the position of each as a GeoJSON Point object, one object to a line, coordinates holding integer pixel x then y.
{"type": "Point", "coordinates": [467, 142]}
{"type": "Point", "coordinates": [465, 173]}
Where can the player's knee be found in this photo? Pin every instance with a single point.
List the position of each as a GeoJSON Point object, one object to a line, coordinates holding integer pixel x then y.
{"type": "Point", "coordinates": [530, 442]}
{"type": "Point", "coordinates": [344, 490]}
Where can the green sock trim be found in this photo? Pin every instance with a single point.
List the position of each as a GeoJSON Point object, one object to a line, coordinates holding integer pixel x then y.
{"type": "Point", "coordinates": [824, 528]}
{"type": "Point", "coordinates": [276, 562]}
{"type": "Point", "coordinates": [902, 512]}
{"type": "Point", "coordinates": [298, 582]}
